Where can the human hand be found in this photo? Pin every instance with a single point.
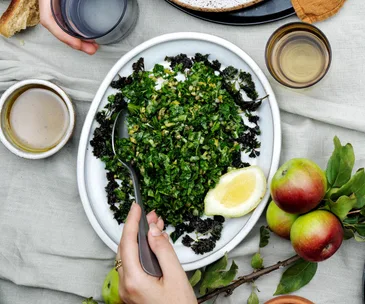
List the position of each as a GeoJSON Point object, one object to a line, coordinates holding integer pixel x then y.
{"type": "Point", "coordinates": [49, 23]}
{"type": "Point", "coordinates": [137, 287]}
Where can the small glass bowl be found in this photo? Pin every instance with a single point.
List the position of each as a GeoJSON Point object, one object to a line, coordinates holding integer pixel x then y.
{"type": "Point", "coordinates": [5, 136]}
{"type": "Point", "coordinates": [276, 44]}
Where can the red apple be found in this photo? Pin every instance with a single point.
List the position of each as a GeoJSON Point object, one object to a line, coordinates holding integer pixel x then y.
{"type": "Point", "coordinates": [298, 186]}
{"type": "Point", "coordinates": [317, 235]}
{"type": "Point", "coordinates": [279, 221]}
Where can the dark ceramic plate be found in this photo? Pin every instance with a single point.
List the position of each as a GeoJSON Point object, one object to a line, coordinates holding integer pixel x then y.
{"type": "Point", "coordinates": [264, 12]}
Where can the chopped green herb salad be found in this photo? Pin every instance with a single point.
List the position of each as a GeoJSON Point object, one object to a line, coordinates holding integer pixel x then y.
{"type": "Point", "coordinates": [185, 131]}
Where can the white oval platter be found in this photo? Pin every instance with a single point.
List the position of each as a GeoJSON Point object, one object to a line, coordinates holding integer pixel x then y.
{"type": "Point", "coordinates": [91, 173]}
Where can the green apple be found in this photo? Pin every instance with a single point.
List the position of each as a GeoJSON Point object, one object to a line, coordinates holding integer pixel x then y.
{"type": "Point", "coordinates": [279, 221]}
{"type": "Point", "coordinates": [317, 235]}
{"type": "Point", "coordinates": [110, 291]}
{"type": "Point", "coordinates": [298, 186]}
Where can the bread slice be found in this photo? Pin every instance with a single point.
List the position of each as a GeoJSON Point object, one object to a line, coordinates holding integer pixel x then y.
{"type": "Point", "coordinates": [19, 15]}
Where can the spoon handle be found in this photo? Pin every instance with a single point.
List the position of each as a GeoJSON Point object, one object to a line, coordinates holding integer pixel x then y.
{"type": "Point", "coordinates": [147, 258]}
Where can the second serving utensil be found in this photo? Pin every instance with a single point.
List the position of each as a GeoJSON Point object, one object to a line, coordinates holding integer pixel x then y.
{"type": "Point", "coordinates": [147, 258]}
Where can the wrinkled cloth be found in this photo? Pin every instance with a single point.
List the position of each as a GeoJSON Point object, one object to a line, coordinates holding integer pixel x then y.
{"type": "Point", "coordinates": [316, 10]}
{"type": "Point", "coordinates": [49, 252]}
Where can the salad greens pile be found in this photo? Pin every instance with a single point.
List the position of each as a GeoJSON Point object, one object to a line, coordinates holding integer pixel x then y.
{"type": "Point", "coordinates": [185, 131]}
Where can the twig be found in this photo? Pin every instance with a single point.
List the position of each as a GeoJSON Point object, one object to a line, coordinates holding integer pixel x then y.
{"type": "Point", "coordinates": [354, 212]}
{"type": "Point", "coordinates": [262, 98]}
{"type": "Point", "coordinates": [248, 278]}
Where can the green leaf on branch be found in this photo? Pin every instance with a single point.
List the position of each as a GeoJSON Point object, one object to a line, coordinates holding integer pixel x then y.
{"type": "Point", "coordinates": [354, 228]}
{"type": "Point", "coordinates": [342, 206]}
{"type": "Point", "coordinates": [359, 238]}
{"type": "Point", "coordinates": [195, 279]}
{"type": "Point", "coordinates": [362, 212]}
{"type": "Point", "coordinates": [221, 264]}
{"type": "Point", "coordinates": [257, 261]}
{"type": "Point", "coordinates": [339, 167]}
{"type": "Point", "coordinates": [360, 229]}
{"type": "Point", "coordinates": [348, 234]}
{"type": "Point", "coordinates": [253, 299]}
{"type": "Point", "coordinates": [360, 196]}
{"type": "Point", "coordinates": [352, 186]}
{"type": "Point", "coordinates": [355, 186]}
{"type": "Point", "coordinates": [296, 276]}
{"type": "Point", "coordinates": [331, 193]}
{"type": "Point", "coordinates": [264, 236]}
{"type": "Point", "coordinates": [215, 275]}
{"type": "Point", "coordinates": [351, 220]}
{"type": "Point", "coordinates": [89, 301]}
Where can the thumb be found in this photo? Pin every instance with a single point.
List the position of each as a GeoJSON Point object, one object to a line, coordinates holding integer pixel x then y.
{"type": "Point", "coordinates": [165, 253]}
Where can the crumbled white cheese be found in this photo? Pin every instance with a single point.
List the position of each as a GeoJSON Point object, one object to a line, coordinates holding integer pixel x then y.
{"type": "Point", "coordinates": [216, 4]}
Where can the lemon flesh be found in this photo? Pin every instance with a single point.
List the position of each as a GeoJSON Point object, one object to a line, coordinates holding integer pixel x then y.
{"type": "Point", "coordinates": [237, 193]}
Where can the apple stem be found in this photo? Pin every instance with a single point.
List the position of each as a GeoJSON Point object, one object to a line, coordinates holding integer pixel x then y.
{"type": "Point", "coordinates": [228, 290]}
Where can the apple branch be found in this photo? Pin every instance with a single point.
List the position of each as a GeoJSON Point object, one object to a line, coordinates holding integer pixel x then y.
{"type": "Point", "coordinates": [228, 290]}
{"type": "Point", "coordinates": [354, 212]}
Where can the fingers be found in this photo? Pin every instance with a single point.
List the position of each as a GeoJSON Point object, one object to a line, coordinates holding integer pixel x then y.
{"type": "Point", "coordinates": [161, 225]}
{"type": "Point", "coordinates": [164, 252]}
{"type": "Point", "coordinates": [128, 246]}
{"type": "Point", "coordinates": [48, 22]}
{"type": "Point", "coordinates": [87, 47]}
{"type": "Point", "coordinates": [153, 218]}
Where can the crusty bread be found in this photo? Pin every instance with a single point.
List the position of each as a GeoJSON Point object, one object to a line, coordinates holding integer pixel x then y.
{"type": "Point", "coordinates": [19, 15]}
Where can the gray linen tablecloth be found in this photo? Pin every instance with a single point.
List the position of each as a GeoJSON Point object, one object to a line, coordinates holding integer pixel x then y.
{"type": "Point", "coordinates": [49, 253]}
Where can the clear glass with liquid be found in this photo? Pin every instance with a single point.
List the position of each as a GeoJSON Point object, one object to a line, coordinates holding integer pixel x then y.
{"type": "Point", "coordinates": [298, 55]}
{"type": "Point", "coordinates": [103, 21]}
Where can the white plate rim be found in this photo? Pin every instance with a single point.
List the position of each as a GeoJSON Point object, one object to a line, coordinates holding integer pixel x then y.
{"type": "Point", "coordinates": [83, 143]}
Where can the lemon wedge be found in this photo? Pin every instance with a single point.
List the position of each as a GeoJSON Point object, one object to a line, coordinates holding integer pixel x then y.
{"type": "Point", "coordinates": [237, 193]}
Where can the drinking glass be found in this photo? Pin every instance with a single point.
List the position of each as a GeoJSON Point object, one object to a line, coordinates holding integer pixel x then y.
{"type": "Point", "coordinates": [298, 55]}
{"type": "Point", "coordinates": [102, 21]}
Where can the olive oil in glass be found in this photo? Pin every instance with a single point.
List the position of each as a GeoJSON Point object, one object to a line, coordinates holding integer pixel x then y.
{"type": "Point", "coordinates": [298, 55]}
{"type": "Point", "coordinates": [37, 119]}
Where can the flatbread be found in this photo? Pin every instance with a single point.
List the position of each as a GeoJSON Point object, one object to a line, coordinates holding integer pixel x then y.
{"type": "Point", "coordinates": [215, 5]}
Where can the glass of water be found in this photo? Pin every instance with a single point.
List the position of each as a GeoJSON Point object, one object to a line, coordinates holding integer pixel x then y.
{"type": "Point", "coordinates": [102, 21]}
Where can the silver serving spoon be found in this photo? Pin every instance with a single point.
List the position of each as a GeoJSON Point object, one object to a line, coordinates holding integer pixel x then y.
{"type": "Point", "coordinates": [147, 258]}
